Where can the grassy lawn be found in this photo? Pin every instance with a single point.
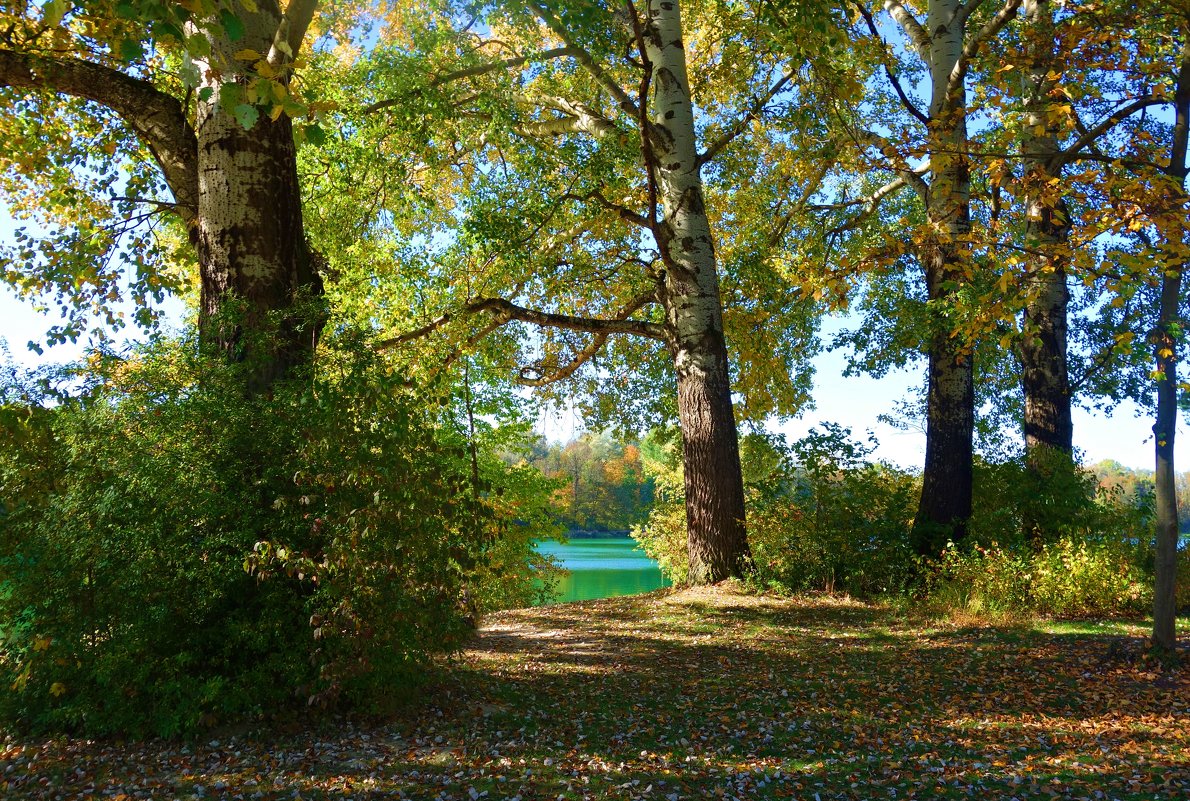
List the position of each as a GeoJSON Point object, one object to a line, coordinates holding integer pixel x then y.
{"type": "Point", "coordinates": [710, 694]}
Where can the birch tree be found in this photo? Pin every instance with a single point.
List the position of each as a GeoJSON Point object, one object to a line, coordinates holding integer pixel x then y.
{"type": "Point", "coordinates": [578, 157]}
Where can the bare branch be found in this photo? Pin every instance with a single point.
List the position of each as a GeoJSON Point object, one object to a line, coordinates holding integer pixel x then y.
{"type": "Point", "coordinates": [475, 71]}
{"type": "Point", "coordinates": [158, 119]}
{"type": "Point", "coordinates": [580, 118]}
{"type": "Point", "coordinates": [586, 354]}
{"type": "Point", "coordinates": [896, 161]}
{"type": "Point", "coordinates": [870, 205]}
{"type": "Point", "coordinates": [625, 213]}
{"type": "Point", "coordinates": [505, 311]}
{"type": "Point", "coordinates": [977, 40]}
{"type": "Point", "coordinates": [908, 103]}
{"type": "Point", "coordinates": [740, 125]}
{"type": "Point", "coordinates": [913, 29]}
{"type": "Point", "coordinates": [1089, 135]}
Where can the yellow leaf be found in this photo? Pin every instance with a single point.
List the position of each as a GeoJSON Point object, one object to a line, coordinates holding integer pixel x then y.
{"type": "Point", "coordinates": [247, 54]}
{"type": "Point", "coordinates": [250, 6]}
{"type": "Point", "coordinates": [57, 689]}
{"type": "Point", "coordinates": [41, 643]}
{"type": "Point", "coordinates": [276, 113]}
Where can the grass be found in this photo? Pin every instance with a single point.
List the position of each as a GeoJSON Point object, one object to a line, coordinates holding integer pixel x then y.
{"type": "Point", "coordinates": [710, 694]}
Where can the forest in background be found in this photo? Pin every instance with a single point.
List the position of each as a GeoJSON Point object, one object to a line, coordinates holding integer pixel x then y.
{"type": "Point", "coordinates": [605, 485]}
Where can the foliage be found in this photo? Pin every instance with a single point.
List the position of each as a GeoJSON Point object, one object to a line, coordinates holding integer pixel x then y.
{"type": "Point", "coordinates": [1068, 577]}
{"type": "Point", "coordinates": [837, 522]}
{"type": "Point", "coordinates": [175, 553]}
{"type": "Point", "coordinates": [601, 484]}
{"type": "Point", "coordinates": [753, 697]}
{"type": "Point", "coordinates": [820, 516]}
{"type": "Point", "coordinates": [1059, 499]}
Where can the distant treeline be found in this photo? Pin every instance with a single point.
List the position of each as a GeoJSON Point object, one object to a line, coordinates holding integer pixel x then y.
{"type": "Point", "coordinates": [602, 486]}
{"type": "Point", "coordinates": [1137, 486]}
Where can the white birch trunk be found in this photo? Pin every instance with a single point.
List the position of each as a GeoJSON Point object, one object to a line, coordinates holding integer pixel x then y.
{"type": "Point", "coordinates": [694, 314]}
{"type": "Point", "coordinates": [950, 420]}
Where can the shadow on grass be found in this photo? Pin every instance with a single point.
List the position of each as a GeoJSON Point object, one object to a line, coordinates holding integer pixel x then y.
{"type": "Point", "coordinates": [714, 695]}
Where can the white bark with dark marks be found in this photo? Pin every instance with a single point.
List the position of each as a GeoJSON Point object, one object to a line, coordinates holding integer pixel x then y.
{"type": "Point", "coordinates": [717, 543]}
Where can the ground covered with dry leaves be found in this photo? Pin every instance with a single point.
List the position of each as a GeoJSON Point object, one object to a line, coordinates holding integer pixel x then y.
{"type": "Point", "coordinates": [706, 694]}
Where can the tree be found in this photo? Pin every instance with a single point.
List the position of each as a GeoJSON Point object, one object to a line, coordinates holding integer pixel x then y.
{"type": "Point", "coordinates": [1166, 339]}
{"type": "Point", "coordinates": [231, 170]}
{"type": "Point", "coordinates": [581, 212]}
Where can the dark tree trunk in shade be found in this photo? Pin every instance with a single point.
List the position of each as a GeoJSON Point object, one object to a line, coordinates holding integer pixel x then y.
{"type": "Point", "coordinates": [946, 487]}
{"type": "Point", "coordinates": [716, 542]}
{"type": "Point", "coordinates": [1166, 340]}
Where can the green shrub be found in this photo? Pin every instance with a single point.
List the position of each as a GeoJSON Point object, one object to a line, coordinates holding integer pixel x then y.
{"type": "Point", "coordinates": [1069, 577]}
{"type": "Point", "coordinates": [819, 516]}
{"type": "Point", "coordinates": [176, 552]}
{"type": "Point", "coordinates": [1013, 504]}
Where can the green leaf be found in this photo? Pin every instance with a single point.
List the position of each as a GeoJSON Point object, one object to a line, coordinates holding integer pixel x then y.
{"type": "Point", "coordinates": [232, 25]}
{"type": "Point", "coordinates": [246, 115]}
{"type": "Point", "coordinates": [205, 94]}
{"type": "Point", "coordinates": [131, 50]}
{"type": "Point", "coordinates": [230, 95]}
{"type": "Point", "coordinates": [53, 12]}
{"type": "Point", "coordinates": [315, 135]}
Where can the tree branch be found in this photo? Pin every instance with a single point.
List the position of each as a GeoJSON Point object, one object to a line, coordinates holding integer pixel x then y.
{"type": "Point", "coordinates": [586, 354]}
{"type": "Point", "coordinates": [741, 124]}
{"type": "Point", "coordinates": [909, 105]}
{"type": "Point", "coordinates": [580, 118]}
{"type": "Point", "coordinates": [1089, 135]}
{"type": "Point", "coordinates": [913, 29]}
{"type": "Point", "coordinates": [475, 71]}
{"type": "Point", "coordinates": [505, 311]}
{"type": "Point", "coordinates": [158, 119]}
{"type": "Point", "coordinates": [291, 31]}
{"type": "Point", "coordinates": [975, 41]}
{"type": "Point", "coordinates": [583, 57]}
{"type": "Point", "coordinates": [897, 163]}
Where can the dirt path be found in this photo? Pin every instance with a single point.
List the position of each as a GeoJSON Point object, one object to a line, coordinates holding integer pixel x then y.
{"type": "Point", "coordinates": [706, 694]}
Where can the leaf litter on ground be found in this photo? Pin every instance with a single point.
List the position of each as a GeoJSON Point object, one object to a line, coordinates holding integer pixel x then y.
{"type": "Point", "coordinates": [705, 693]}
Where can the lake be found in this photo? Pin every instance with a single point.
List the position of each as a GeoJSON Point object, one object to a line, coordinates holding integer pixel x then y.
{"type": "Point", "coordinates": [603, 567]}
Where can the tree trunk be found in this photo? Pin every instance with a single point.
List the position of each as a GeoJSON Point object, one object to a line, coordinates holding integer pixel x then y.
{"type": "Point", "coordinates": [950, 406]}
{"type": "Point", "coordinates": [716, 539]}
{"type": "Point", "coordinates": [1166, 502]}
{"type": "Point", "coordinates": [1044, 374]}
{"type": "Point", "coordinates": [1165, 346]}
{"type": "Point", "coordinates": [946, 486]}
{"type": "Point", "coordinates": [251, 244]}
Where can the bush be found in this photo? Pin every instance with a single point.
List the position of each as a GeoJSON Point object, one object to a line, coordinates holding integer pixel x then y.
{"type": "Point", "coordinates": [1013, 504]}
{"type": "Point", "coordinates": [819, 516]}
{"type": "Point", "coordinates": [1069, 577]}
{"type": "Point", "coordinates": [830, 520]}
{"type": "Point", "coordinates": [176, 552]}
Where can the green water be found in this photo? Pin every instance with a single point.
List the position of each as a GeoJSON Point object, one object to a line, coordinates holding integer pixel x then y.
{"type": "Point", "coordinates": [603, 568]}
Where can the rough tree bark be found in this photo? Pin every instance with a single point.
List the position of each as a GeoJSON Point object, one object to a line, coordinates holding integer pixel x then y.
{"type": "Point", "coordinates": [251, 242]}
{"type": "Point", "coordinates": [1166, 340]}
{"type": "Point", "coordinates": [946, 489]}
{"type": "Point", "coordinates": [1044, 369]}
{"type": "Point", "coordinates": [236, 190]}
{"type": "Point", "coordinates": [689, 293]}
